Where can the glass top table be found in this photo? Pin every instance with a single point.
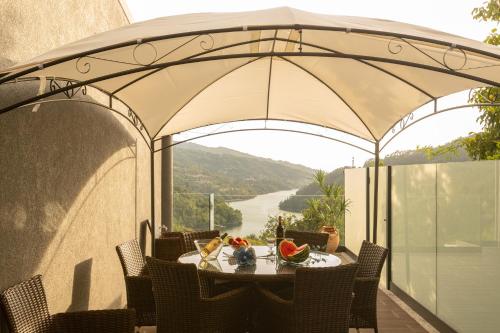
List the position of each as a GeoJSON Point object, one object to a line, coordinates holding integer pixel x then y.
{"type": "Point", "coordinates": [267, 267]}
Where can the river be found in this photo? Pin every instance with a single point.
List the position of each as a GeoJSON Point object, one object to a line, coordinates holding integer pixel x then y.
{"type": "Point", "coordinates": [255, 212]}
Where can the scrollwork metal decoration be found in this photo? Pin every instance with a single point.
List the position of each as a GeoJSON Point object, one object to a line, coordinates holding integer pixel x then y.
{"type": "Point", "coordinates": [395, 48]}
{"type": "Point", "coordinates": [81, 66]}
{"type": "Point", "coordinates": [460, 51]}
{"type": "Point", "coordinates": [135, 120]}
{"type": "Point", "coordinates": [140, 45]}
{"type": "Point", "coordinates": [70, 93]}
{"type": "Point", "coordinates": [403, 122]}
{"type": "Point", "coordinates": [207, 42]}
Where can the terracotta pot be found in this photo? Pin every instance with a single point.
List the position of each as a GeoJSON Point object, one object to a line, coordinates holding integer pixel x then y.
{"type": "Point", "coordinates": [333, 239]}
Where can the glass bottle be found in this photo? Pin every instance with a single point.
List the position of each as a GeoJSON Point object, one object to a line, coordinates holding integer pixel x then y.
{"type": "Point", "coordinates": [280, 232]}
{"type": "Point", "coordinates": [212, 245]}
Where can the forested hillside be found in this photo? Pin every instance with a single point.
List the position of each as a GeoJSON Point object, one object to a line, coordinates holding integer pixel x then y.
{"type": "Point", "coordinates": [229, 174]}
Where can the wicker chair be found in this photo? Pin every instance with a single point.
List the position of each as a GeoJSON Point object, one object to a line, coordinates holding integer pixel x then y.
{"type": "Point", "coordinates": [169, 248]}
{"type": "Point", "coordinates": [26, 309]}
{"type": "Point", "coordinates": [189, 238]}
{"type": "Point", "coordinates": [137, 283]}
{"type": "Point", "coordinates": [321, 301]}
{"type": "Point", "coordinates": [182, 305]}
{"type": "Point", "coordinates": [317, 240]}
{"type": "Point", "coordinates": [364, 307]}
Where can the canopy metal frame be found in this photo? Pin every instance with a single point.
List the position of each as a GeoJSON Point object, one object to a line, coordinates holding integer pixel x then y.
{"type": "Point", "coordinates": [396, 44]}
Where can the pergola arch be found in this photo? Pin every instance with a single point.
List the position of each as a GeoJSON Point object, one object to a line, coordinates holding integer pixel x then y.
{"type": "Point", "coordinates": [90, 82]}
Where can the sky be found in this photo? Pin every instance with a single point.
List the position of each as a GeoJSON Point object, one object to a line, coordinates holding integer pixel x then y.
{"type": "Point", "coordinates": [453, 16]}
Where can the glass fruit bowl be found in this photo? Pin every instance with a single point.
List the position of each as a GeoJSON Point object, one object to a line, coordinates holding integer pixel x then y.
{"type": "Point", "coordinates": [201, 243]}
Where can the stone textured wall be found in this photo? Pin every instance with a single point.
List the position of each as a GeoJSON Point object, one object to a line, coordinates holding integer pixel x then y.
{"type": "Point", "coordinates": [31, 27]}
{"type": "Point", "coordinates": [74, 178]}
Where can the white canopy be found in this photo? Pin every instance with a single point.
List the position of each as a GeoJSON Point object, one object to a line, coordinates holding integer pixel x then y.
{"type": "Point", "coordinates": [352, 74]}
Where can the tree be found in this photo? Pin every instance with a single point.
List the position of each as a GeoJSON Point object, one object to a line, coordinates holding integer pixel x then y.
{"type": "Point", "coordinates": [486, 144]}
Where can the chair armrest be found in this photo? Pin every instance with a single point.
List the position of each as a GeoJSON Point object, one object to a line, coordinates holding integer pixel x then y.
{"type": "Point", "coordinates": [229, 297]}
{"type": "Point", "coordinates": [366, 279]}
{"type": "Point", "coordinates": [278, 310]}
{"type": "Point", "coordinates": [273, 299]}
{"type": "Point", "coordinates": [139, 282]}
{"type": "Point", "coordinates": [228, 309]}
{"type": "Point", "coordinates": [365, 292]}
{"type": "Point", "coordinates": [112, 321]}
{"type": "Point", "coordinates": [140, 293]}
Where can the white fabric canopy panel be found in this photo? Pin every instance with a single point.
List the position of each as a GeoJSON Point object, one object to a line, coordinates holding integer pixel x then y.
{"type": "Point", "coordinates": [355, 75]}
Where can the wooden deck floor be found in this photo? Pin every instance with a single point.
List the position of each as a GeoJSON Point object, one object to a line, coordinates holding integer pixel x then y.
{"type": "Point", "coordinates": [393, 319]}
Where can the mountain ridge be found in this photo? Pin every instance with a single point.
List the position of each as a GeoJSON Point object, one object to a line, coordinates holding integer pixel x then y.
{"type": "Point", "coordinates": [230, 175]}
{"type": "Point", "coordinates": [226, 171]}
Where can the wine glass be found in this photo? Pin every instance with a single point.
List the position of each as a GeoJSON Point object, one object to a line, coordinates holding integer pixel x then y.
{"type": "Point", "coordinates": [271, 242]}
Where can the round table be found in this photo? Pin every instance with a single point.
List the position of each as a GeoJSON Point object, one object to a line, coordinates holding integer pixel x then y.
{"type": "Point", "coordinates": [267, 267]}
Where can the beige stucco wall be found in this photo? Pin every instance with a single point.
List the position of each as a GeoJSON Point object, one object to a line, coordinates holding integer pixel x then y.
{"type": "Point", "coordinates": [74, 178]}
{"type": "Point", "coordinates": [31, 27]}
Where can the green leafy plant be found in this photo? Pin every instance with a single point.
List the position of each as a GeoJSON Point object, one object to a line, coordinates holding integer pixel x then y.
{"type": "Point", "coordinates": [486, 144]}
{"type": "Point", "coordinates": [489, 11]}
{"type": "Point", "coordinates": [327, 210]}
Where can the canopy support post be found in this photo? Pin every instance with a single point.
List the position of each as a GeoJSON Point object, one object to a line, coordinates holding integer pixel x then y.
{"type": "Point", "coordinates": [375, 191]}
{"type": "Point", "coordinates": [167, 183]}
{"type": "Point", "coordinates": [153, 224]}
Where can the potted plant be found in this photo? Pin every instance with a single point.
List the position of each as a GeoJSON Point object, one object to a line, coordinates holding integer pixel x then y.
{"type": "Point", "coordinates": [327, 212]}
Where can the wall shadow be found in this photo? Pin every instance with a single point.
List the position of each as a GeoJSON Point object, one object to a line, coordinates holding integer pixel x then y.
{"type": "Point", "coordinates": [144, 229]}
{"type": "Point", "coordinates": [81, 286]}
{"type": "Point", "coordinates": [47, 159]}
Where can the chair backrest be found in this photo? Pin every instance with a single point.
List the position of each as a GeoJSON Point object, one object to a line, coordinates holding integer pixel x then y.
{"type": "Point", "coordinates": [189, 238]}
{"type": "Point", "coordinates": [169, 248]}
{"type": "Point", "coordinates": [26, 307]}
{"type": "Point", "coordinates": [171, 234]}
{"type": "Point", "coordinates": [176, 289]}
{"type": "Point", "coordinates": [323, 297]}
{"type": "Point", "coordinates": [317, 240]}
{"type": "Point", "coordinates": [131, 258]}
{"type": "Point", "coordinates": [371, 259]}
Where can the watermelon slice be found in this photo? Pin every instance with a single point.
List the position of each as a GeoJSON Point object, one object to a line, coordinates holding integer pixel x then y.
{"type": "Point", "coordinates": [286, 248]}
{"type": "Point", "coordinates": [290, 252]}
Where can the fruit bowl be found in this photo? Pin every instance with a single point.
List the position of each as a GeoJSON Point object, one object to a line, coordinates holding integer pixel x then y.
{"type": "Point", "coordinates": [237, 242]}
{"type": "Point", "coordinates": [201, 243]}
